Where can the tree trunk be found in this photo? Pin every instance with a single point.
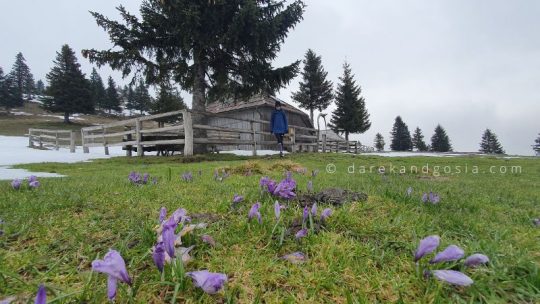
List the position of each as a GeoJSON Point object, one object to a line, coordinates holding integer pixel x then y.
{"type": "Point", "coordinates": [347, 135]}
{"type": "Point", "coordinates": [311, 117]}
{"type": "Point", "coordinates": [198, 103]}
{"type": "Point", "coordinates": [66, 117]}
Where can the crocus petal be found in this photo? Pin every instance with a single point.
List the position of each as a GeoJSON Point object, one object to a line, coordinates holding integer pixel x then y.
{"type": "Point", "coordinates": [310, 186]}
{"type": "Point", "coordinates": [475, 260]}
{"type": "Point", "coordinates": [208, 240]}
{"type": "Point", "coordinates": [162, 214]}
{"type": "Point", "coordinates": [209, 282]}
{"type": "Point", "coordinates": [424, 197]}
{"type": "Point", "coordinates": [112, 264]}
{"type": "Point", "coordinates": [111, 287]}
{"type": "Point", "coordinates": [301, 233]}
{"type": "Point", "coordinates": [277, 210]}
{"type": "Point", "coordinates": [184, 253]}
{"type": "Point", "coordinates": [254, 212]}
{"type": "Point", "coordinates": [169, 238]}
{"type": "Point", "coordinates": [314, 210]}
{"type": "Point", "coordinates": [158, 255]}
{"type": "Point", "coordinates": [16, 184]}
{"type": "Point", "coordinates": [305, 214]}
{"type": "Point", "coordinates": [295, 257]}
{"type": "Point", "coordinates": [34, 184]}
{"type": "Point", "coordinates": [237, 198]}
{"type": "Point", "coordinates": [32, 178]}
{"type": "Point", "coordinates": [7, 300]}
{"type": "Point", "coordinates": [451, 253]}
{"type": "Point", "coordinates": [326, 213]}
{"type": "Point", "coordinates": [427, 246]}
{"type": "Point", "coordinates": [453, 277]}
{"type": "Point", "coordinates": [41, 297]}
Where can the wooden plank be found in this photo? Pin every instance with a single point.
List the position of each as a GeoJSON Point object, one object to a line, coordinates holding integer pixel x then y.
{"type": "Point", "coordinates": [213, 128]}
{"type": "Point", "coordinates": [306, 136]}
{"type": "Point", "coordinates": [222, 141]}
{"type": "Point", "coordinates": [164, 129]}
{"type": "Point", "coordinates": [164, 142]}
{"type": "Point", "coordinates": [49, 131]}
{"type": "Point", "coordinates": [188, 133]}
{"type": "Point", "coordinates": [122, 143]}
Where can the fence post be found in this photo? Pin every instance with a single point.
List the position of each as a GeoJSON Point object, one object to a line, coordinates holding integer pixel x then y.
{"type": "Point", "coordinates": [348, 146]}
{"type": "Point", "coordinates": [40, 142]}
{"type": "Point", "coordinates": [83, 142]}
{"type": "Point", "coordinates": [104, 141]}
{"type": "Point", "coordinates": [72, 141]}
{"type": "Point", "coordinates": [30, 140]}
{"type": "Point", "coordinates": [56, 147]}
{"type": "Point", "coordinates": [129, 137]}
{"type": "Point", "coordinates": [138, 137]}
{"type": "Point", "coordinates": [324, 143]}
{"type": "Point", "coordinates": [293, 140]}
{"type": "Point", "coordinates": [252, 124]}
{"type": "Point", "coordinates": [188, 133]}
{"type": "Point", "coordinates": [356, 147]}
{"type": "Point", "coordinates": [337, 146]}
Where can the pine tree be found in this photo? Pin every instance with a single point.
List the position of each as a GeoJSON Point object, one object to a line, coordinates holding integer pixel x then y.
{"type": "Point", "coordinates": [112, 100]}
{"type": "Point", "coordinates": [9, 93]}
{"type": "Point", "coordinates": [130, 99]}
{"type": "Point", "coordinates": [418, 140]}
{"type": "Point", "coordinates": [40, 87]}
{"type": "Point", "coordinates": [351, 115]}
{"type": "Point", "coordinates": [168, 100]}
{"type": "Point", "coordinates": [214, 49]}
{"type": "Point", "coordinates": [24, 80]}
{"type": "Point", "coordinates": [379, 142]}
{"type": "Point", "coordinates": [490, 143]}
{"type": "Point", "coordinates": [98, 89]}
{"type": "Point", "coordinates": [401, 138]}
{"type": "Point", "coordinates": [315, 91]}
{"type": "Point", "coordinates": [536, 146]}
{"type": "Point", "coordinates": [68, 91]}
{"type": "Point", "coordinates": [141, 98]}
{"type": "Point", "coordinates": [440, 141]}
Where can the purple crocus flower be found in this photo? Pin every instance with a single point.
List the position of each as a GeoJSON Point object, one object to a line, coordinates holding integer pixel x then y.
{"type": "Point", "coordinates": [277, 210]}
{"type": "Point", "coordinates": [209, 282]}
{"type": "Point", "coordinates": [34, 184]}
{"type": "Point", "coordinates": [427, 246]}
{"type": "Point", "coordinates": [453, 277]}
{"type": "Point", "coordinates": [254, 212]}
{"type": "Point", "coordinates": [158, 255]}
{"type": "Point", "coordinates": [271, 186]}
{"type": "Point", "coordinates": [314, 210]}
{"type": "Point", "coordinates": [237, 199]}
{"type": "Point", "coordinates": [264, 181]}
{"type": "Point", "coordinates": [424, 197]}
{"type": "Point", "coordinates": [41, 297]}
{"type": "Point", "coordinates": [451, 253]}
{"type": "Point", "coordinates": [16, 184]}
{"type": "Point", "coordinates": [114, 266]}
{"type": "Point", "coordinates": [295, 257]}
{"type": "Point", "coordinates": [179, 215]}
{"type": "Point", "coordinates": [208, 240]}
{"type": "Point", "coordinates": [32, 178]}
{"type": "Point", "coordinates": [409, 191]}
{"type": "Point", "coordinates": [145, 178]}
{"type": "Point", "coordinates": [162, 214]}
{"type": "Point", "coordinates": [169, 238]}
{"type": "Point", "coordinates": [434, 198]}
{"type": "Point", "coordinates": [310, 186]}
{"type": "Point", "coordinates": [325, 214]}
{"type": "Point", "coordinates": [187, 177]}
{"type": "Point", "coordinates": [305, 214]}
{"type": "Point", "coordinates": [475, 260]}
{"type": "Point", "coordinates": [134, 177]}
{"type": "Point", "coordinates": [301, 233]}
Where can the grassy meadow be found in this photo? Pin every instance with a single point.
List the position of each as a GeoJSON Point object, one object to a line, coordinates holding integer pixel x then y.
{"type": "Point", "coordinates": [363, 254]}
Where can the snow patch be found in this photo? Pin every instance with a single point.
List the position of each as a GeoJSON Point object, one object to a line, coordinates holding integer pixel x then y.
{"type": "Point", "coordinates": [249, 152]}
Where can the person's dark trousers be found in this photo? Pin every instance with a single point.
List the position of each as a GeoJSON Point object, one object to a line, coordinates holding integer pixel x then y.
{"type": "Point", "coordinates": [279, 137]}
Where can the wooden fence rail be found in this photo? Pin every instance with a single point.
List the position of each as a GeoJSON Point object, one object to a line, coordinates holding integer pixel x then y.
{"type": "Point", "coordinates": [51, 138]}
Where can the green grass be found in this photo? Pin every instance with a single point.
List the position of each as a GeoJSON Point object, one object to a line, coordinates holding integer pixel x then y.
{"type": "Point", "coordinates": [363, 255]}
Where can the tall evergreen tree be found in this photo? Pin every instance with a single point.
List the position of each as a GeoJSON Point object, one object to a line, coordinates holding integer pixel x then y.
{"type": "Point", "coordinates": [141, 98]}
{"type": "Point", "coordinates": [536, 146]}
{"type": "Point", "coordinates": [112, 99]}
{"type": "Point", "coordinates": [351, 115]}
{"type": "Point", "coordinates": [130, 98]}
{"type": "Point", "coordinates": [401, 138]}
{"type": "Point", "coordinates": [440, 141]}
{"type": "Point", "coordinates": [490, 143]}
{"type": "Point", "coordinates": [20, 73]}
{"type": "Point", "coordinates": [40, 87]}
{"type": "Point", "coordinates": [99, 96]}
{"type": "Point", "coordinates": [418, 140]}
{"type": "Point", "coordinates": [168, 99]}
{"type": "Point", "coordinates": [213, 49]}
{"type": "Point", "coordinates": [315, 90]}
{"type": "Point", "coordinates": [68, 91]}
{"type": "Point", "coordinates": [379, 142]}
{"type": "Point", "coordinates": [9, 93]}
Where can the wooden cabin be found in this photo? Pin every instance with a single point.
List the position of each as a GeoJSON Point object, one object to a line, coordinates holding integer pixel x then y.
{"type": "Point", "coordinates": [257, 108]}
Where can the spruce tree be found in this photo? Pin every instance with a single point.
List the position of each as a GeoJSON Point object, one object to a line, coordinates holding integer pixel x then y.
{"type": "Point", "coordinates": [141, 98]}
{"type": "Point", "coordinates": [68, 91]}
{"type": "Point", "coordinates": [168, 99]}
{"type": "Point", "coordinates": [379, 142]}
{"type": "Point", "coordinates": [130, 99]}
{"type": "Point", "coordinates": [418, 140]}
{"type": "Point", "coordinates": [401, 138]}
{"type": "Point", "coordinates": [315, 90]}
{"type": "Point", "coordinates": [490, 143]}
{"type": "Point", "coordinates": [214, 49]}
{"type": "Point", "coordinates": [112, 99]}
{"type": "Point", "coordinates": [40, 87]}
{"type": "Point", "coordinates": [9, 93]}
{"type": "Point", "coordinates": [440, 141]}
{"type": "Point", "coordinates": [20, 73]}
{"type": "Point", "coordinates": [536, 146]}
{"type": "Point", "coordinates": [98, 89]}
{"type": "Point", "coordinates": [351, 115]}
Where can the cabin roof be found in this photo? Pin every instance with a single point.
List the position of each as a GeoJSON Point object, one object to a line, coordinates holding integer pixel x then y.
{"type": "Point", "coordinates": [255, 102]}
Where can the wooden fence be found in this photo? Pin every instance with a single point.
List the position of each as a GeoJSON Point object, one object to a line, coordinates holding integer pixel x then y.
{"type": "Point", "coordinates": [42, 138]}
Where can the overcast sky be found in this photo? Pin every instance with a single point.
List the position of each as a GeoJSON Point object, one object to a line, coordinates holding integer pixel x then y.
{"type": "Point", "coordinates": [466, 64]}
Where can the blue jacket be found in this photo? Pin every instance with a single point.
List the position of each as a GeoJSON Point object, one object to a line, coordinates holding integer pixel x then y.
{"type": "Point", "coordinates": [278, 122]}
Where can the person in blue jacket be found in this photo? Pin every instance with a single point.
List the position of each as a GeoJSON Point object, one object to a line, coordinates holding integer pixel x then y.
{"type": "Point", "coordinates": [279, 125]}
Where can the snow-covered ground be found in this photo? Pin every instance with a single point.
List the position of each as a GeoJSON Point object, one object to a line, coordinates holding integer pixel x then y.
{"type": "Point", "coordinates": [249, 152]}
{"type": "Point", "coordinates": [14, 150]}
{"type": "Point", "coordinates": [409, 154]}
